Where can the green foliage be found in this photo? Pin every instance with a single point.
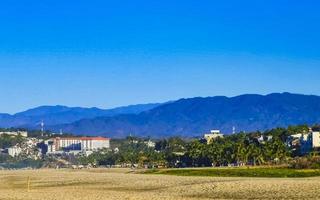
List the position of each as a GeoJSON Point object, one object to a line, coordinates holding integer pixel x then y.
{"type": "Point", "coordinates": [235, 150]}
{"type": "Point", "coordinates": [4, 158]}
{"type": "Point", "coordinates": [310, 162]}
{"type": "Point", "coordinates": [99, 158]}
{"type": "Point", "coordinates": [298, 129]}
{"type": "Point", "coordinates": [239, 172]}
{"type": "Point", "coordinates": [25, 163]}
{"type": "Point", "coordinates": [7, 141]}
{"type": "Point", "coordinates": [239, 149]}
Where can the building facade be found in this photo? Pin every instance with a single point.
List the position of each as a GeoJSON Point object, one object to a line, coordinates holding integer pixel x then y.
{"type": "Point", "coordinates": [73, 144]}
{"type": "Point", "coordinates": [14, 151]}
{"type": "Point", "coordinates": [306, 142]}
{"type": "Point", "coordinates": [315, 139]}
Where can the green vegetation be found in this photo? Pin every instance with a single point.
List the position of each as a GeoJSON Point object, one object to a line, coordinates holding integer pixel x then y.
{"type": "Point", "coordinates": [307, 162]}
{"type": "Point", "coordinates": [243, 149]}
{"type": "Point", "coordinates": [7, 141]}
{"type": "Point", "coordinates": [127, 152]}
{"type": "Point", "coordinates": [239, 172]}
{"type": "Point", "coordinates": [12, 163]}
{"type": "Point", "coordinates": [5, 158]}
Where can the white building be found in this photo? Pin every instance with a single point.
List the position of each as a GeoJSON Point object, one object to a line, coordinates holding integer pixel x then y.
{"type": "Point", "coordinates": [214, 134]}
{"type": "Point", "coordinates": [150, 144]}
{"type": "Point", "coordinates": [14, 151]}
{"type": "Point", "coordinates": [77, 144]}
{"type": "Point", "coordinates": [95, 143]}
{"type": "Point", "coordinates": [315, 139]}
{"type": "Point", "coordinates": [306, 141]}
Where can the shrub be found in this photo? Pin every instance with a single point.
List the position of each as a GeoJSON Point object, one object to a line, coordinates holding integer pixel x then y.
{"type": "Point", "coordinates": [305, 163]}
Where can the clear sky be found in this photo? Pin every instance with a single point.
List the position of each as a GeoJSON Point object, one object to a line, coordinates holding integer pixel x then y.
{"type": "Point", "coordinates": [111, 53]}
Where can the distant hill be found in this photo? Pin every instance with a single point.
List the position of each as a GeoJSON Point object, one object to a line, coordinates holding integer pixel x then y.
{"type": "Point", "coordinates": [193, 117]}
{"type": "Point", "coordinates": [53, 115]}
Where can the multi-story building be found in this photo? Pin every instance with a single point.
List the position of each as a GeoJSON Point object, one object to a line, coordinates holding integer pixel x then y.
{"type": "Point", "coordinates": [73, 144]}
{"type": "Point", "coordinates": [315, 139]}
{"type": "Point", "coordinates": [306, 142]}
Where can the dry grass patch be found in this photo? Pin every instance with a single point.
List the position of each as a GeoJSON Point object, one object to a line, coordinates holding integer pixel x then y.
{"type": "Point", "coordinates": [121, 184]}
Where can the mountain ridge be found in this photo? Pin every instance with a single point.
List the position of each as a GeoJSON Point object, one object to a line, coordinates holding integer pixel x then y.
{"type": "Point", "coordinates": [194, 116]}
{"type": "Point", "coordinates": [187, 117]}
{"type": "Point", "coordinates": [53, 115]}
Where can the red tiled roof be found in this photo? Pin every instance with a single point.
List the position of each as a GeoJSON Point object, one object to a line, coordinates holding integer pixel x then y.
{"type": "Point", "coordinates": [83, 138]}
{"type": "Point", "coordinates": [94, 138]}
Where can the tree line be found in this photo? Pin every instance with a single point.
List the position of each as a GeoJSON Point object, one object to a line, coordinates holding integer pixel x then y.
{"type": "Point", "coordinates": [238, 149]}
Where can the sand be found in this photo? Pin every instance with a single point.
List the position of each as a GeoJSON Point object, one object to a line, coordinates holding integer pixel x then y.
{"type": "Point", "coordinates": [123, 184]}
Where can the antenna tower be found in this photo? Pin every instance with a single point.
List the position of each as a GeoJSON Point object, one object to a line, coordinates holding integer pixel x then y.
{"type": "Point", "coordinates": [42, 128]}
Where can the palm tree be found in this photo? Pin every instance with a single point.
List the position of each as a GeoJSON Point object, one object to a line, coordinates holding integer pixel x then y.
{"type": "Point", "coordinates": [255, 154]}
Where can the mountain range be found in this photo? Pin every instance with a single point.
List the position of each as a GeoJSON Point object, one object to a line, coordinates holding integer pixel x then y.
{"type": "Point", "coordinates": [54, 115]}
{"type": "Point", "coordinates": [185, 117]}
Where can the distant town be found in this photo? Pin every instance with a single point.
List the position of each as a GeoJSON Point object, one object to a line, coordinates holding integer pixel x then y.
{"type": "Point", "coordinates": [35, 147]}
{"type": "Point", "coordinates": [277, 146]}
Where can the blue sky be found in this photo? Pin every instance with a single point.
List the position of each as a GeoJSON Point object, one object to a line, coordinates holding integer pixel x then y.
{"type": "Point", "coordinates": [112, 53]}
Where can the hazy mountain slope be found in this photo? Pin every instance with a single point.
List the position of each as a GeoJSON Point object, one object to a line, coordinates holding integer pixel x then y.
{"type": "Point", "coordinates": [192, 117]}
{"type": "Point", "coordinates": [53, 115]}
